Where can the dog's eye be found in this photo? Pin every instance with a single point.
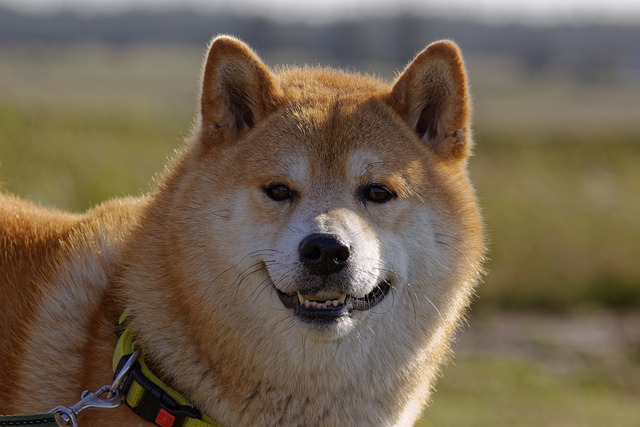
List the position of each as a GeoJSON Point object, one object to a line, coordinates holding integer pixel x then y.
{"type": "Point", "coordinates": [279, 192]}
{"type": "Point", "coordinates": [377, 193]}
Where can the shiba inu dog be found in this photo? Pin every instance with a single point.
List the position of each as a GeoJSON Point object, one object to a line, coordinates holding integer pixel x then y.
{"type": "Point", "coordinates": [305, 259]}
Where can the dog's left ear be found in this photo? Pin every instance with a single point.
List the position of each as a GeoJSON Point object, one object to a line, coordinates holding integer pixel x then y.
{"type": "Point", "coordinates": [431, 95]}
{"type": "Point", "coordinates": [238, 90]}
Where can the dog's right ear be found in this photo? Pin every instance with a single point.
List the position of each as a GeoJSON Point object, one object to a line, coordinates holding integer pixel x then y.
{"type": "Point", "coordinates": [238, 90]}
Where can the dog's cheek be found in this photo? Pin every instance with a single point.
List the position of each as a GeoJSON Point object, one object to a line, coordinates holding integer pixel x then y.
{"type": "Point", "coordinates": [226, 228]}
{"type": "Point", "coordinates": [410, 240]}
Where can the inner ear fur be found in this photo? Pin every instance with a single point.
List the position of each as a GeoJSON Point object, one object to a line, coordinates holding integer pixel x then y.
{"type": "Point", "coordinates": [238, 90]}
{"type": "Point", "coordinates": [431, 95]}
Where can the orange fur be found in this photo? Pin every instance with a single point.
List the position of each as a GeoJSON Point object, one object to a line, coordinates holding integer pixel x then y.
{"type": "Point", "coordinates": [201, 260]}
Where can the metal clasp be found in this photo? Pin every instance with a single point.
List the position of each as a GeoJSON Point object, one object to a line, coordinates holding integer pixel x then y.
{"type": "Point", "coordinates": [122, 374]}
{"type": "Point", "coordinates": [69, 416]}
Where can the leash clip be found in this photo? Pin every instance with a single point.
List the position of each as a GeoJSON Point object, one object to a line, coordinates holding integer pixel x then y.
{"type": "Point", "coordinates": [69, 416]}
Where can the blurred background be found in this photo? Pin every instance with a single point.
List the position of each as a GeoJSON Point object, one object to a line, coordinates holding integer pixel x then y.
{"type": "Point", "coordinates": [96, 94]}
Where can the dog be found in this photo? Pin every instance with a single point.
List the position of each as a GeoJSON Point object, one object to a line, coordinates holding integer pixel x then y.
{"type": "Point", "coordinates": [305, 259]}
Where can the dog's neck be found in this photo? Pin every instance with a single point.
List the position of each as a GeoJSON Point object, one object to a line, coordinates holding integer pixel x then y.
{"type": "Point", "coordinates": [323, 383]}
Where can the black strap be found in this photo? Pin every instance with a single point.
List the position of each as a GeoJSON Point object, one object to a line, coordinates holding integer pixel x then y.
{"type": "Point", "coordinates": [41, 420]}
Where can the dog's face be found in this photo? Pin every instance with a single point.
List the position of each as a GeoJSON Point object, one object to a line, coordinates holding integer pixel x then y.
{"type": "Point", "coordinates": [326, 207]}
{"type": "Point", "coordinates": [322, 202]}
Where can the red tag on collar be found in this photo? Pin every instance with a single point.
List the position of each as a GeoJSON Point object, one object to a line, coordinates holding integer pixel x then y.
{"type": "Point", "coordinates": [165, 419]}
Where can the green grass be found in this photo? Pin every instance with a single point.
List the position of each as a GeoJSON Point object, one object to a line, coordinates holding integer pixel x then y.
{"type": "Point", "coordinates": [77, 158]}
{"type": "Point", "coordinates": [495, 390]}
{"type": "Point", "coordinates": [82, 124]}
{"type": "Point", "coordinates": [563, 220]}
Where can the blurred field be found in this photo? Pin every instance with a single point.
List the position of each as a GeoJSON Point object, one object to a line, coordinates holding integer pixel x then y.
{"type": "Point", "coordinates": [556, 168]}
{"type": "Point", "coordinates": [542, 370]}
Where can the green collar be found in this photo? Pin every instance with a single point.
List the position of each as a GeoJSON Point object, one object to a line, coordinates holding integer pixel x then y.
{"type": "Point", "coordinates": [147, 395]}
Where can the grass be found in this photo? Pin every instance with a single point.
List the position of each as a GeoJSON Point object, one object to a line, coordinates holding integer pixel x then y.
{"type": "Point", "coordinates": [483, 390]}
{"type": "Point", "coordinates": [542, 370]}
{"type": "Point", "coordinates": [77, 158]}
{"type": "Point", "coordinates": [563, 219]}
{"type": "Point", "coordinates": [81, 125]}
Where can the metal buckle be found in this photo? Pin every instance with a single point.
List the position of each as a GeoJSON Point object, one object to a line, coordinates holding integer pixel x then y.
{"type": "Point", "coordinates": [124, 372]}
{"type": "Point", "coordinates": [69, 416]}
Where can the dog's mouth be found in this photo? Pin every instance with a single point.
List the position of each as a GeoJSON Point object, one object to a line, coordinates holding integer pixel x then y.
{"type": "Point", "coordinates": [327, 307]}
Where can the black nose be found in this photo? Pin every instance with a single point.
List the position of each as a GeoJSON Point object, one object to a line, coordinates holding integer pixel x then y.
{"type": "Point", "coordinates": [323, 254]}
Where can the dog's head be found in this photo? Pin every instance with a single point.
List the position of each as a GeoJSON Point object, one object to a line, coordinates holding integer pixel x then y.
{"type": "Point", "coordinates": [317, 237]}
{"type": "Point", "coordinates": [315, 200]}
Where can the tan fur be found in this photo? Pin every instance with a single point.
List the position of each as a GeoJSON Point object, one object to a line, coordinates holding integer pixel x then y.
{"type": "Point", "coordinates": [199, 260]}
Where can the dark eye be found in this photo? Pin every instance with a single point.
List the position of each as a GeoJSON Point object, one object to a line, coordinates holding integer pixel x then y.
{"type": "Point", "coordinates": [279, 192]}
{"type": "Point", "coordinates": [377, 193]}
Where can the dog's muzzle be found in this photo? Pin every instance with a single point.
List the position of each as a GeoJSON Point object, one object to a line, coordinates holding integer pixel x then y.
{"type": "Point", "coordinates": [325, 307]}
{"type": "Point", "coordinates": [324, 256]}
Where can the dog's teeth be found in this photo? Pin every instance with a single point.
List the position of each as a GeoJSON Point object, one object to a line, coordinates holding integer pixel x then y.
{"type": "Point", "coordinates": [319, 304]}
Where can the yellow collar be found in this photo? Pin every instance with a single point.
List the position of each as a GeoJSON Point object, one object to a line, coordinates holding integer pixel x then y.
{"type": "Point", "coordinates": [147, 395]}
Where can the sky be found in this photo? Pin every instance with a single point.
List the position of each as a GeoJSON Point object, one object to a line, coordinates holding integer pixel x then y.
{"type": "Point", "coordinates": [322, 10]}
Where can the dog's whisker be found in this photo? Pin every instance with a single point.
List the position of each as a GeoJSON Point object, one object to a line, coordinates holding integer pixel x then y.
{"type": "Point", "coordinates": [335, 351]}
{"type": "Point", "coordinates": [454, 248]}
{"type": "Point", "coordinates": [252, 269]}
{"type": "Point", "coordinates": [221, 213]}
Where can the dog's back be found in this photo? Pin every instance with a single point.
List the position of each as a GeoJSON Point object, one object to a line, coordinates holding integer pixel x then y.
{"type": "Point", "coordinates": [53, 269]}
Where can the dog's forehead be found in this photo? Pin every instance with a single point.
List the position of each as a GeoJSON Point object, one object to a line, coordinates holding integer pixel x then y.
{"type": "Point", "coordinates": [320, 139]}
{"type": "Point", "coordinates": [339, 124]}
{"type": "Point", "coordinates": [336, 140]}
{"type": "Point", "coordinates": [293, 165]}
{"type": "Point", "coordinates": [363, 161]}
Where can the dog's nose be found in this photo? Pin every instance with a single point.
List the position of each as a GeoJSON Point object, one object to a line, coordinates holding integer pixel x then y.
{"type": "Point", "coordinates": [323, 254]}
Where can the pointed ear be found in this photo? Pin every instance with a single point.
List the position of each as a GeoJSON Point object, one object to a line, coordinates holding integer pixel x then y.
{"type": "Point", "coordinates": [431, 95]}
{"type": "Point", "coordinates": [238, 90]}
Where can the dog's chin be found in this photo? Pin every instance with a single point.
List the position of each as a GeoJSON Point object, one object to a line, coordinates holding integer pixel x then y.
{"type": "Point", "coordinates": [328, 310]}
